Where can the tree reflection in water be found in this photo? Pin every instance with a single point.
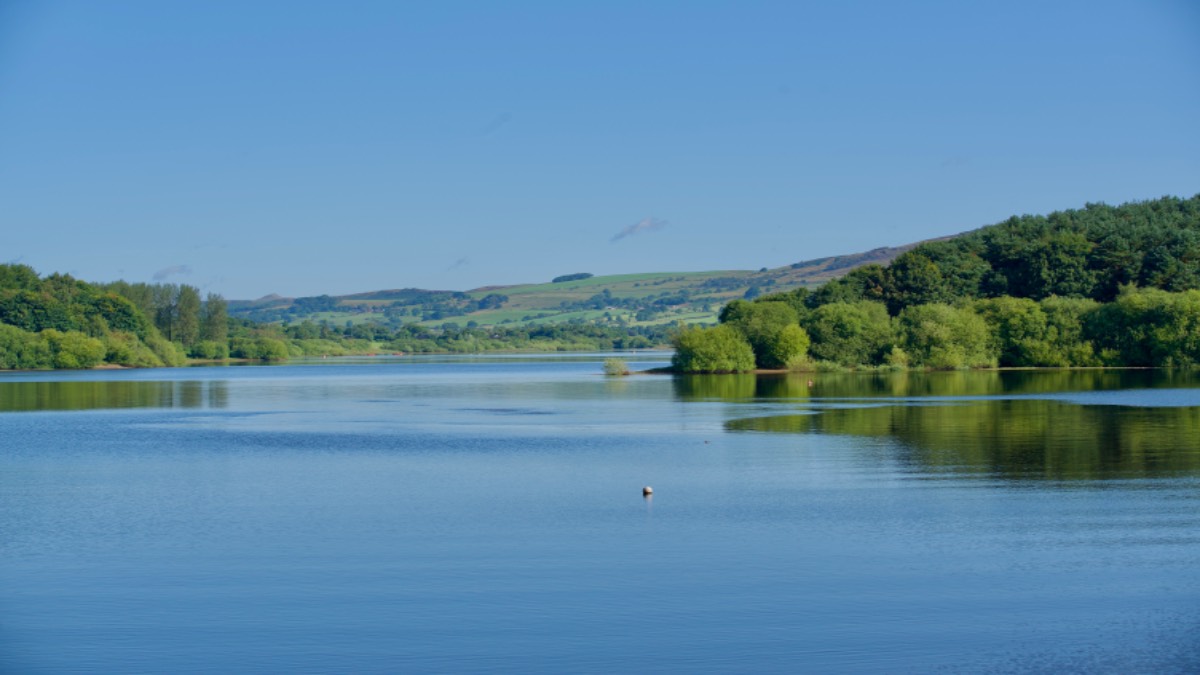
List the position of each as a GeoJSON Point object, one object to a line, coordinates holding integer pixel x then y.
{"type": "Point", "coordinates": [1005, 424]}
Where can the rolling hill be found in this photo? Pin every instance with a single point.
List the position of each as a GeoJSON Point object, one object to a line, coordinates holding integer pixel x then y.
{"type": "Point", "coordinates": [626, 299]}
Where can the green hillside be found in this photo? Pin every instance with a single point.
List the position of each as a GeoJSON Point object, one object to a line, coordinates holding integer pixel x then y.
{"type": "Point", "coordinates": [649, 299]}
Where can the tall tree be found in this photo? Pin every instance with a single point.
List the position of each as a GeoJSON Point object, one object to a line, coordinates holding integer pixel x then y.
{"type": "Point", "coordinates": [187, 316]}
{"type": "Point", "coordinates": [214, 319]}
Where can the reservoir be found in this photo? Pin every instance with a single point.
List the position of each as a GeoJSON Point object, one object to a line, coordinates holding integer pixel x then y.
{"type": "Point", "coordinates": [483, 514]}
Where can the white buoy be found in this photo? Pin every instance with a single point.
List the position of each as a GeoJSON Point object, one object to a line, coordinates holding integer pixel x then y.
{"type": "Point", "coordinates": [647, 491]}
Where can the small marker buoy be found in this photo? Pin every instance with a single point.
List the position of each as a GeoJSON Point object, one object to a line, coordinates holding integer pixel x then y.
{"type": "Point", "coordinates": [647, 491]}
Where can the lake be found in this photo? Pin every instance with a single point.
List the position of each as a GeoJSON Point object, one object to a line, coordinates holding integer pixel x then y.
{"type": "Point", "coordinates": [482, 514]}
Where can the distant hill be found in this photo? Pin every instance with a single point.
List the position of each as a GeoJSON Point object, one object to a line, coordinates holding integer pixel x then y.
{"type": "Point", "coordinates": [627, 299]}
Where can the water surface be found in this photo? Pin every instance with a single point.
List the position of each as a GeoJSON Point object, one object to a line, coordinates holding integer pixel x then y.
{"type": "Point", "coordinates": [482, 514]}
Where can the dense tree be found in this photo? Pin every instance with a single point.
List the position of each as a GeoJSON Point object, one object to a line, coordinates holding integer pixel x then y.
{"type": "Point", "coordinates": [719, 349]}
{"type": "Point", "coordinates": [785, 348]}
{"type": "Point", "coordinates": [214, 319]}
{"type": "Point", "coordinates": [1148, 327]}
{"type": "Point", "coordinates": [186, 329]}
{"type": "Point", "coordinates": [73, 349]}
{"type": "Point", "coordinates": [1020, 332]}
{"type": "Point", "coordinates": [1087, 253]}
{"type": "Point", "coordinates": [944, 337]}
{"type": "Point", "coordinates": [20, 349]}
{"type": "Point", "coordinates": [850, 333]}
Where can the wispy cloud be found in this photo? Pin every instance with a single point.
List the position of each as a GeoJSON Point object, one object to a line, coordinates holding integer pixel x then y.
{"type": "Point", "coordinates": [643, 225]}
{"type": "Point", "coordinates": [171, 271]}
{"type": "Point", "coordinates": [497, 122]}
{"type": "Point", "coordinates": [457, 264]}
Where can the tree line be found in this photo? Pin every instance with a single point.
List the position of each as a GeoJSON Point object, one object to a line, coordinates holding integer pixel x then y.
{"type": "Point", "coordinates": [1102, 286]}
{"type": "Point", "coordinates": [61, 322]}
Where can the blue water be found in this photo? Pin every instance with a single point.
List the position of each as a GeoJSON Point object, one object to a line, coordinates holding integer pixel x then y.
{"type": "Point", "coordinates": [485, 514]}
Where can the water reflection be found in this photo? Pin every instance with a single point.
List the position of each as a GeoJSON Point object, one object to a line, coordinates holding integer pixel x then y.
{"type": "Point", "coordinates": [1021, 424]}
{"type": "Point", "coordinates": [907, 385]}
{"type": "Point", "coordinates": [96, 395]}
{"type": "Point", "coordinates": [1018, 438]}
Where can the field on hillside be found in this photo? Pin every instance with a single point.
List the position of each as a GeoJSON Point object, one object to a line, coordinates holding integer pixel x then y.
{"type": "Point", "coordinates": [653, 298]}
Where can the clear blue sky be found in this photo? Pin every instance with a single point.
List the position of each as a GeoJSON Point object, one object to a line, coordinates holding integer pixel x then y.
{"type": "Point", "coordinates": [334, 147]}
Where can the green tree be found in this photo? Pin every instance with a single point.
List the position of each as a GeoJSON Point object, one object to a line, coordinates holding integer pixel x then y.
{"type": "Point", "coordinates": [1020, 331]}
{"type": "Point", "coordinates": [943, 337]}
{"type": "Point", "coordinates": [850, 333]}
{"type": "Point", "coordinates": [761, 323]}
{"type": "Point", "coordinates": [187, 316]}
{"type": "Point", "coordinates": [719, 349]}
{"type": "Point", "coordinates": [19, 277]}
{"type": "Point", "coordinates": [21, 349]}
{"type": "Point", "coordinates": [214, 319]}
{"type": "Point", "coordinates": [1065, 321]}
{"type": "Point", "coordinates": [72, 349]}
{"type": "Point", "coordinates": [786, 348]}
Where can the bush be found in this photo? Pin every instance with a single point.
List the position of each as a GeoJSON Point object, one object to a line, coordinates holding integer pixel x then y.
{"type": "Point", "coordinates": [616, 367]}
{"type": "Point", "coordinates": [787, 348]}
{"type": "Point", "coordinates": [850, 333]}
{"type": "Point", "coordinates": [1148, 327]}
{"type": "Point", "coordinates": [211, 350]}
{"type": "Point", "coordinates": [170, 353]}
{"type": "Point", "coordinates": [761, 324]}
{"type": "Point", "coordinates": [944, 337]}
{"type": "Point", "coordinates": [126, 349]}
{"type": "Point", "coordinates": [720, 349]}
{"type": "Point", "coordinates": [22, 349]}
{"type": "Point", "coordinates": [72, 349]}
{"type": "Point", "coordinates": [270, 349]}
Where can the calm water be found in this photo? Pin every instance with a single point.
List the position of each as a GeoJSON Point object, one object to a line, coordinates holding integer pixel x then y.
{"type": "Point", "coordinates": [471, 515]}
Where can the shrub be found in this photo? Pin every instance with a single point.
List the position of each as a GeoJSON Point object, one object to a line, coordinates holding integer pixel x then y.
{"type": "Point", "coordinates": [787, 348]}
{"type": "Point", "coordinates": [270, 349]}
{"type": "Point", "coordinates": [850, 333]}
{"type": "Point", "coordinates": [720, 349]}
{"type": "Point", "coordinates": [72, 349]}
{"type": "Point", "coordinates": [944, 337]}
{"type": "Point", "coordinates": [127, 350]}
{"type": "Point", "coordinates": [616, 367]}
{"type": "Point", "coordinates": [210, 349]}
{"type": "Point", "coordinates": [170, 353]}
{"type": "Point", "coordinates": [22, 349]}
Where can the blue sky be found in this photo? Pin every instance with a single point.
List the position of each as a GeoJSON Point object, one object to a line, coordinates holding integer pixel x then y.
{"type": "Point", "coordinates": [318, 147]}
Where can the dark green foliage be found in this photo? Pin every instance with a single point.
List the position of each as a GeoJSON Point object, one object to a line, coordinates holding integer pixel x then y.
{"type": "Point", "coordinates": [786, 348]}
{"type": "Point", "coordinates": [1086, 253]}
{"type": "Point", "coordinates": [23, 350]}
{"type": "Point", "coordinates": [127, 350]}
{"type": "Point", "coordinates": [187, 316]}
{"type": "Point", "coordinates": [762, 325]}
{"type": "Point", "coordinates": [850, 333]}
{"type": "Point", "coordinates": [214, 319]}
{"type": "Point", "coordinates": [571, 277]}
{"type": "Point", "coordinates": [1020, 329]}
{"type": "Point", "coordinates": [73, 349]}
{"type": "Point", "coordinates": [1148, 327]}
{"type": "Point", "coordinates": [869, 282]}
{"type": "Point", "coordinates": [19, 277]}
{"type": "Point", "coordinates": [719, 349]}
{"type": "Point", "coordinates": [210, 350]}
{"type": "Point", "coordinates": [1065, 323]}
{"type": "Point", "coordinates": [797, 299]}
{"type": "Point", "coordinates": [1046, 333]}
{"type": "Point", "coordinates": [943, 337]}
